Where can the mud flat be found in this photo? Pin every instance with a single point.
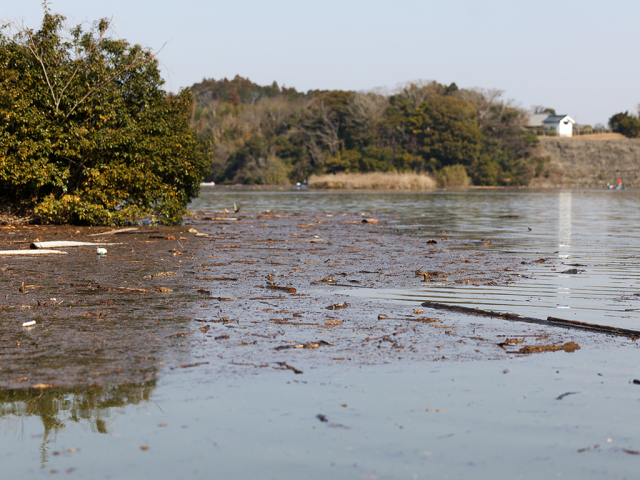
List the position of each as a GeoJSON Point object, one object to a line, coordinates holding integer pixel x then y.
{"type": "Point", "coordinates": [245, 292]}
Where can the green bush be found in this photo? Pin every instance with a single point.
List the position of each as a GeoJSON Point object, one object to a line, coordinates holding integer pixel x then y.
{"type": "Point", "coordinates": [452, 176]}
{"type": "Point", "coordinates": [627, 125]}
{"type": "Point", "coordinates": [87, 134]}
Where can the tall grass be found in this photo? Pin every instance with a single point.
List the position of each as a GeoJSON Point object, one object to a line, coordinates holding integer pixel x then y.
{"type": "Point", "coordinates": [374, 181]}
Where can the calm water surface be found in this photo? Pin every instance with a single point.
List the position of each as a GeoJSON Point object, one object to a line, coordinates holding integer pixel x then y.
{"type": "Point", "coordinates": [483, 420]}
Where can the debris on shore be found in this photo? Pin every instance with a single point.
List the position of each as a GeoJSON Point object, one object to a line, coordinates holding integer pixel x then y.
{"type": "Point", "coordinates": [141, 310]}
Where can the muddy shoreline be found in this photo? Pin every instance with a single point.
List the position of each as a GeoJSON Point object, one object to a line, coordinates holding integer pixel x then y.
{"type": "Point", "coordinates": [233, 294]}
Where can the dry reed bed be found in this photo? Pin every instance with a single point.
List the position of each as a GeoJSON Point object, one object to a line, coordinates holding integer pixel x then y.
{"type": "Point", "coordinates": [374, 181]}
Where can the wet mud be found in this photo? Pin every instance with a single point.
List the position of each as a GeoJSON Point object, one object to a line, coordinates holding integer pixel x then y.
{"type": "Point", "coordinates": [99, 320]}
{"type": "Point", "coordinates": [236, 293]}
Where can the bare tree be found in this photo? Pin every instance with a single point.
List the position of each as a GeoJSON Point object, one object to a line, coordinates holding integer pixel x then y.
{"type": "Point", "coordinates": [63, 62]}
{"type": "Point", "coordinates": [365, 114]}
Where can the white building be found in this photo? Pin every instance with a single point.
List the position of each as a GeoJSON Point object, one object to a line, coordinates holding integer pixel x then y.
{"type": "Point", "coordinates": [562, 123]}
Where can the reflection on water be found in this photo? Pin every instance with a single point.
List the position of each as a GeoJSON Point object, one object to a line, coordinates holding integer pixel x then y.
{"type": "Point", "coordinates": [593, 231]}
{"type": "Point", "coordinates": [564, 220]}
{"type": "Point", "coordinates": [57, 407]}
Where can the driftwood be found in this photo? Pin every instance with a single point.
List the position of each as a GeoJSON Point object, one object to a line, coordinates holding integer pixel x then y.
{"type": "Point", "coordinates": [549, 322]}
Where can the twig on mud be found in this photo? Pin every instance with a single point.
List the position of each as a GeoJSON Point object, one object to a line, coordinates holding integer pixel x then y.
{"type": "Point", "coordinates": [112, 232]}
{"type": "Point", "coordinates": [190, 365]}
{"type": "Point", "coordinates": [284, 366]}
{"type": "Point", "coordinates": [304, 345]}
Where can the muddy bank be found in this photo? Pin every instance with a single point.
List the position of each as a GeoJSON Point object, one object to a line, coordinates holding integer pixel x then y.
{"type": "Point", "coordinates": [99, 319]}
{"type": "Point", "coordinates": [237, 293]}
{"type": "Point", "coordinates": [589, 163]}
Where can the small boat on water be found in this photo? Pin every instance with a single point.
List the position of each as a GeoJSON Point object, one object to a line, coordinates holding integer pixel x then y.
{"type": "Point", "coordinates": [207, 184]}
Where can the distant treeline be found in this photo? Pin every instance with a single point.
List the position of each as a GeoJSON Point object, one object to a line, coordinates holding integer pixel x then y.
{"type": "Point", "coordinates": [277, 135]}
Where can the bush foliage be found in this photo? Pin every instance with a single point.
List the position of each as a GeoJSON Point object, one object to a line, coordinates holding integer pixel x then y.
{"type": "Point", "coordinates": [452, 176]}
{"type": "Point", "coordinates": [87, 134]}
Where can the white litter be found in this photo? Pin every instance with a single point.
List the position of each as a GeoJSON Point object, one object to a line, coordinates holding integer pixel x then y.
{"type": "Point", "coordinates": [32, 252]}
{"type": "Point", "coordinates": [29, 324]}
{"type": "Point", "coordinates": [101, 251]}
{"type": "Point", "coordinates": [65, 244]}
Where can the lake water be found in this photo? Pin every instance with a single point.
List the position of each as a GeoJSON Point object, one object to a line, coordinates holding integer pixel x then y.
{"type": "Point", "coordinates": [594, 231]}
{"type": "Point", "coordinates": [492, 419]}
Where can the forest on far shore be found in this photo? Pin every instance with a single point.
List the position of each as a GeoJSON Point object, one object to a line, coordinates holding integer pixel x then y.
{"type": "Point", "coordinates": [276, 135]}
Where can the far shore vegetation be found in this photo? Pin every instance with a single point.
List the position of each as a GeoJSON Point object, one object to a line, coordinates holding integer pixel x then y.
{"type": "Point", "coordinates": [277, 135]}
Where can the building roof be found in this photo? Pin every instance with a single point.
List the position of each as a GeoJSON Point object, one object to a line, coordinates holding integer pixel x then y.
{"type": "Point", "coordinates": [558, 119]}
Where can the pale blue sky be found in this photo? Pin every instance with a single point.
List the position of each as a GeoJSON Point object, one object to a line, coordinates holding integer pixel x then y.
{"type": "Point", "coordinates": [579, 57]}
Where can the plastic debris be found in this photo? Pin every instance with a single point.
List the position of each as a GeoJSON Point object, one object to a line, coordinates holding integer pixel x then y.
{"type": "Point", "coordinates": [101, 251]}
{"type": "Point", "coordinates": [32, 252]}
{"type": "Point", "coordinates": [29, 324]}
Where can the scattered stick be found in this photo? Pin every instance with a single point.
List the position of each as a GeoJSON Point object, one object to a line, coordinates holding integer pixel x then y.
{"type": "Point", "coordinates": [586, 449]}
{"type": "Point", "coordinates": [190, 365]}
{"type": "Point", "coordinates": [338, 306]}
{"type": "Point", "coordinates": [284, 289]}
{"type": "Point", "coordinates": [112, 232]}
{"type": "Point", "coordinates": [410, 319]}
{"type": "Point", "coordinates": [304, 345]}
{"type": "Point", "coordinates": [549, 322]}
{"type": "Point", "coordinates": [566, 394]}
{"type": "Point", "coordinates": [284, 366]}
{"type": "Point", "coordinates": [116, 289]}
{"type": "Point", "coordinates": [568, 347]}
